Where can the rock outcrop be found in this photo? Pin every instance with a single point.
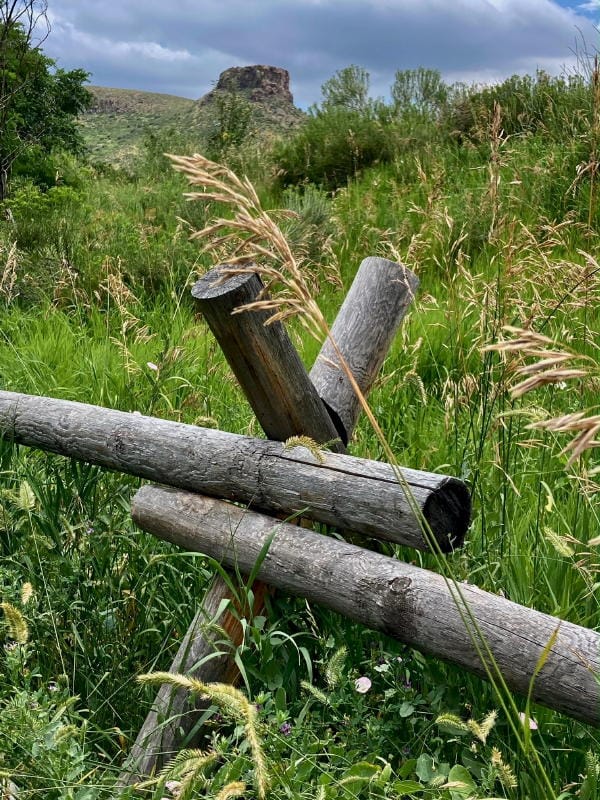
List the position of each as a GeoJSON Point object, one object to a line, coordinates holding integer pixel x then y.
{"type": "Point", "coordinates": [258, 84]}
{"type": "Point", "coordinates": [115, 125]}
{"type": "Point", "coordinates": [265, 87]}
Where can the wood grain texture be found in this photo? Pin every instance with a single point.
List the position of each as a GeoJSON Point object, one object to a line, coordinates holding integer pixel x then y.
{"type": "Point", "coordinates": [263, 359]}
{"type": "Point", "coordinates": [205, 653]}
{"type": "Point", "coordinates": [171, 717]}
{"type": "Point", "coordinates": [363, 330]}
{"type": "Point", "coordinates": [346, 492]}
{"type": "Point", "coordinates": [411, 604]}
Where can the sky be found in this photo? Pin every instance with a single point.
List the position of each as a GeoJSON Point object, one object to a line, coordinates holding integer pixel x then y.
{"type": "Point", "coordinates": [180, 47]}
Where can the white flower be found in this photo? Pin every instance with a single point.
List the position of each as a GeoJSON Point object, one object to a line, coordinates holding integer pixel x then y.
{"type": "Point", "coordinates": [362, 685]}
{"type": "Point", "coordinates": [533, 726]}
{"type": "Point", "coordinates": [151, 365]}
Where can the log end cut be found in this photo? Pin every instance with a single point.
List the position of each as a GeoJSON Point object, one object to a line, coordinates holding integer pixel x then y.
{"type": "Point", "coordinates": [219, 284]}
{"type": "Point", "coordinates": [448, 513]}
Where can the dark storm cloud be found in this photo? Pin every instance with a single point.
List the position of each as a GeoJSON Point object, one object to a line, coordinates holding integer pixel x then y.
{"type": "Point", "coordinates": [181, 47]}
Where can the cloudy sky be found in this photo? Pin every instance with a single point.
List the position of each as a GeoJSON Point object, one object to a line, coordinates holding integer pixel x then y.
{"type": "Point", "coordinates": [180, 47]}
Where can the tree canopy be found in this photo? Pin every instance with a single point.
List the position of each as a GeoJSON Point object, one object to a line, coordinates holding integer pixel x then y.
{"type": "Point", "coordinates": [347, 88]}
{"type": "Point", "coordinates": [39, 103]}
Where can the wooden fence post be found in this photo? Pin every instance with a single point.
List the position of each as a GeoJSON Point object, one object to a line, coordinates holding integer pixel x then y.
{"type": "Point", "coordinates": [363, 331]}
{"type": "Point", "coordinates": [264, 360]}
{"type": "Point", "coordinates": [286, 404]}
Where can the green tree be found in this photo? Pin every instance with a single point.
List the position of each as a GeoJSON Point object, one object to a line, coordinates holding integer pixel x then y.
{"type": "Point", "coordinates": [230, 123]}
{"type": "Point", "coordinates": [421, 89]}
{"type": "Point", "coordinates": [347, 88]}
{"type": "Point", "coordinates": [39, 104]}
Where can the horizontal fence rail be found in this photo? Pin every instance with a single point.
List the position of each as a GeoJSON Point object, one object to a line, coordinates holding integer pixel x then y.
{"type": "Point", "coordinates": [350, 493]}
{"type": "Point", "coordinates": [411, 604]}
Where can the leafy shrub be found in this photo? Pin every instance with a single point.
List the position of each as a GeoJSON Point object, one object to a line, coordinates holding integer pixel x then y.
{"type": "Point", "coordinates": [230, 123]}
{"type": "Point", "coordinates": [529, 104]}
{"type": "Point", "coordinates": [36, 217]}
{"type": "Point", "coordinates": [419, 90]}
{"type": "Point", "coordinates": [152, 162]}
{"type": "Point", "coordinates": [348, 88]}
{"type": "Point", "coordinates": [311, 228]}
{"type": "Point", "coordinates": [334, 145]}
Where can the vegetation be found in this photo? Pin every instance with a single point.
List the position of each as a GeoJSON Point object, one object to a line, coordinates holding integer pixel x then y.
{"type": "Point", "coordinates": [39, 104]}
{"type": "Point", "coordinates": [119, 120]}
{"type": "Point", "coordinates": [490, 195]}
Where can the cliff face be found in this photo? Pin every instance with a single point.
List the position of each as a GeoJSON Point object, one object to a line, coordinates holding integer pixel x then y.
{"type": "Point", "coordinates": [258, 84]}
{"type": "Point", "coordinates": [265, 87]}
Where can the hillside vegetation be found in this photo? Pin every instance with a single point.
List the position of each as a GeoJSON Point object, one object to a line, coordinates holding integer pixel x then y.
{"type": "Point", "coordinates": [491, 196]}
{"type": "Point", "coordinates": [116, 123]}
{"type": "Point", "coordinates": [244, 102]}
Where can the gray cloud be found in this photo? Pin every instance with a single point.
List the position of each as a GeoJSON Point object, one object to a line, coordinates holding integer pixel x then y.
{"type": "Point", "coordinates": [182, 47]}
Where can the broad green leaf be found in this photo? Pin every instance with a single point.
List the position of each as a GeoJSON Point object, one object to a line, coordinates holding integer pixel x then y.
{"type": "Point", "coordinates": [460, 783]}
{"type": "Point", "coordinates": [425, 769]}
{"type": "Point", "coordinates": [407, 787]}
{"type": "Point", "coordinates": [363, 770]}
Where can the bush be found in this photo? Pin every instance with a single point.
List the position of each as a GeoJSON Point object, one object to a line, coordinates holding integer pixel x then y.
{"type": "Point", "coordinates": [539, 104]}
{"type": "Point", "coordinates": [230, 124]}
{"type": "Point", "coordinates": [334, 145]}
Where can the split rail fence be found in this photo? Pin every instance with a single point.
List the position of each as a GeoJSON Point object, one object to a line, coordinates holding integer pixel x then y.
{"type": "Point", "coordinates": [202, 470]}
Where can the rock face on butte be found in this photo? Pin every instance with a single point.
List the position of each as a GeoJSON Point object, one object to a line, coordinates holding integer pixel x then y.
{"type": "Point", "coordinates": [266, 88]}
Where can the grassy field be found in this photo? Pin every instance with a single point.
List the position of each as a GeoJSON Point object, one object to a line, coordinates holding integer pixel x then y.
{"type": "Point", "coordinates": [499, 219]}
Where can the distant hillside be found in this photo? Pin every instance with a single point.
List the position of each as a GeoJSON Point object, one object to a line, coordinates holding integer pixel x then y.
{"type": "Point", "coordinates": [115, 125]}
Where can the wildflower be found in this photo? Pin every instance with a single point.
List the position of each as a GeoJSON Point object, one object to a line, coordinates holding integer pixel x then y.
{"type": "Point", "coordinates": [285, 729]}
{"type": "Point", "coordinates": [533, 726]}
{"type": "Point", "coordinates": [151, 365]}
{"type": "Point", "coordinates": [362, 685]}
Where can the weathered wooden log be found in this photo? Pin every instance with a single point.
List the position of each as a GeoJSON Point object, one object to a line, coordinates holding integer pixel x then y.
{"type": "Point", "coordinates": [202, 653]}
{"type": "Point", "coordinates": [363, 331]}
{"type": "Point", "coordinates": [350, 493]}
{"type": "Point", "coordinates": [411, 604]}
{"type": "Point", "coordinates": [263, 359]}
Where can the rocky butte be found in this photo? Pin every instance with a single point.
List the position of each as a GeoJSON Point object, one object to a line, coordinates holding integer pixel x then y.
{"type": "Point", "coordinates": [267, 88]}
